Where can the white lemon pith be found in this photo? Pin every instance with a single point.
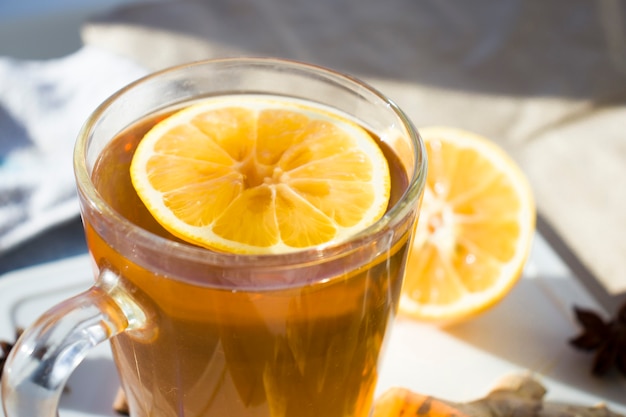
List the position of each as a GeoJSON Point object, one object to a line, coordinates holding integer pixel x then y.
{"type": "Point", "coordinates": [475, 228]}
{"type": "Point", "coordinates": [250, 174]}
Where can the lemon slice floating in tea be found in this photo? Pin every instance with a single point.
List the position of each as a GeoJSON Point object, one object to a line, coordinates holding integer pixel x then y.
{"type": "Point", "coordinates": [474, 232]}
{"type": "Point", "coordinates": [257, 175]}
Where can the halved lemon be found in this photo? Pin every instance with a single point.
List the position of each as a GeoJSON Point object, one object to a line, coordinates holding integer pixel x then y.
{"type": "Point", "coordinates": [253, 174]}
{"type": "Point", "coordinates": [475, 228]}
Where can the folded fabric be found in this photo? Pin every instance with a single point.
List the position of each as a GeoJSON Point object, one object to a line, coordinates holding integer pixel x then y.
{"type": "Point", "coordinates": [43, 105]}
{"type": "Point", "coordinates": [545, 80]}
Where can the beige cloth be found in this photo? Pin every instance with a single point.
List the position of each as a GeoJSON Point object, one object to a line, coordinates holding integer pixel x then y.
{"type": "Point", "coordinates": [544, 79]}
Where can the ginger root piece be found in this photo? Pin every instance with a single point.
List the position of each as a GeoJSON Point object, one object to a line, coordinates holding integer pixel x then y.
{"type": "Point", "coordinates": [518, 395]}
{"type": "Point", "coordinates": [515, 395]}
{"type": "Point", "coordinates": [401, 402]}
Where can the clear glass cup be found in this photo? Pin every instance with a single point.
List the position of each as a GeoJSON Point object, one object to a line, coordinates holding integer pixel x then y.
{"type": "Point", "coordinates": [201, 333]}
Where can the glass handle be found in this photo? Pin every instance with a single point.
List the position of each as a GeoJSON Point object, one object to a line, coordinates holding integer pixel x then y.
{"type": "Point", "coordinates": [45, 355]}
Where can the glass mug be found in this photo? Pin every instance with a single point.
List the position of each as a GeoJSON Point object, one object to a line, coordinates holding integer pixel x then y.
{"type": "Point", "coordinates": [201, 333]}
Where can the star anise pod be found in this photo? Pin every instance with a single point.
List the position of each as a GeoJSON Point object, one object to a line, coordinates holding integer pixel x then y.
{"type": "Point", "coordinates": [606, 338]}
{"type": "Point", "coordinates": [5, 348]}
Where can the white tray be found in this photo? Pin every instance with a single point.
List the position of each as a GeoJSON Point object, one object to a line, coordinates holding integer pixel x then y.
{"type": "Point", "coordinates": [528, 331]}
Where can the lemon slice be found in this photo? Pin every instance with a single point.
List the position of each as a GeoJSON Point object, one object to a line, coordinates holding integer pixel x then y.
{"type": "Point", "coordinates": [475, 228]}
{"type": "Point", "coordinates": [256, 175]}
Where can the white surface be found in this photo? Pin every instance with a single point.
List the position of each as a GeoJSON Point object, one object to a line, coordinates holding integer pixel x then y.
{"type": "Point", "coordinates": [528, 331]}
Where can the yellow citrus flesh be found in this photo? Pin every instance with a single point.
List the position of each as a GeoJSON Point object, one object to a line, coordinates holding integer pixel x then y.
{"type": "Point", "coordinates": [252, 174]}
{"type": "Point", "coordinates": [474, 232]}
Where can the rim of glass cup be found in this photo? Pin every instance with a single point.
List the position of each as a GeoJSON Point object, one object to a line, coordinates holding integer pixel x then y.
{"type": "Point", "coordinates": [179, 250]}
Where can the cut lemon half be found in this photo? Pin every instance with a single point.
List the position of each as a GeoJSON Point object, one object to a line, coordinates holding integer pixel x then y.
{"type": "Point", "coordinates": [256, 175]}
{"type": "Point", "coordinates": [474, 232]}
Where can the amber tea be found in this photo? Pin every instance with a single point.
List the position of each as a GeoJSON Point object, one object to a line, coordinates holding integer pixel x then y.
{"type": "Point", "coordinates": [308, 350]}
{"type": "Point", "coordinates": [198, 329]}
